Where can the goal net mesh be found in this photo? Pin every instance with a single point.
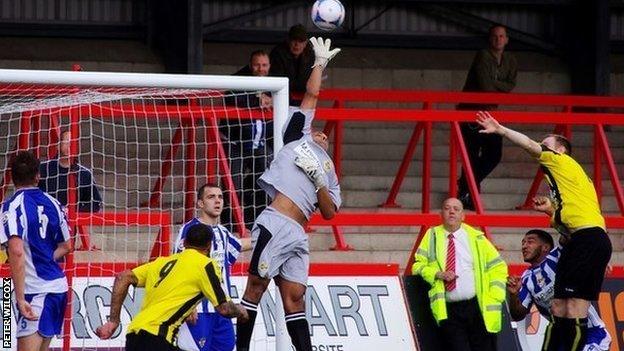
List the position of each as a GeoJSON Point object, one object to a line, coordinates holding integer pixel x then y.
{"type": "Point", "coordinates": [133, 159]}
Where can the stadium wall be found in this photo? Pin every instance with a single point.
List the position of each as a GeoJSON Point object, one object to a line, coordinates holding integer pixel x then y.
{"type": "Point", "coordinates": [351, 307]}
{"type": "Point", "coordinates": [354, 68]}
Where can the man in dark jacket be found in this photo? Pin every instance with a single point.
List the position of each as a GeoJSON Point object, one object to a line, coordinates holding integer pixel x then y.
{"type": "Point", "coordinates": [293, 59]}
{"type": "Point", "coordinates": [492, 70]}
{"type": "Point", "coordinates": [248, 143]}
{"type": "Point", "coordinates": [53, 178]}
{"type": "Point", "coordinates": [259, 65]}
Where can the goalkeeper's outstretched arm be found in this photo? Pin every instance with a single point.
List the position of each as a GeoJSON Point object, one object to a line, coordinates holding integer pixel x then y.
{"type": "Point", "coordinates": [322, 55]}
{"type": "Point", "coordinates": [312, 89]}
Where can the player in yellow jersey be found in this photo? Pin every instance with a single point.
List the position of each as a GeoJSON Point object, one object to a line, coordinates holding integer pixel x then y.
{"type": "Point", "coordinates": [174, 285]}
{"type": "Point", "coordinates": [574, 210]}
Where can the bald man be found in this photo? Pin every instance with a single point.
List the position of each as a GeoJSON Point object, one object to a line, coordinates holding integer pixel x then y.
{"type": "Point", "coordinates": [467, 278]}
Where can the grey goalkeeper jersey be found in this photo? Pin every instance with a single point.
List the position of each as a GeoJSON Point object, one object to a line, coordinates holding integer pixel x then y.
{"type": "Point", "coordinates": [285, 177]}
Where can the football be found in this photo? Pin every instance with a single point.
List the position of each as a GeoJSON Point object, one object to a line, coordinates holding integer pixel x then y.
{"type": "Point", "coordinates": [327, 15]}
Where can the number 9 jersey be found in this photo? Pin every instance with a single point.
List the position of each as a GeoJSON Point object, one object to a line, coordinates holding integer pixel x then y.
{"type": "Point", "coordinates": [174, 285]}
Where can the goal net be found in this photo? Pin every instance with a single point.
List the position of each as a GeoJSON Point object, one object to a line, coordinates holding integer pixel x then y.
{"type": "Point", "coordinates": [127, 153]}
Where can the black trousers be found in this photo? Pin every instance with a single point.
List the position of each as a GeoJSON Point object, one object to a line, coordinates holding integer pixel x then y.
{"type": "Point", "coordinates": [246, 167]}
{"type": "Point", "coordinates": [464, 329]}
{"type": "Point", "coordinates": [144, 341]}
{"type": "Point", "coordinates": [485, 152]}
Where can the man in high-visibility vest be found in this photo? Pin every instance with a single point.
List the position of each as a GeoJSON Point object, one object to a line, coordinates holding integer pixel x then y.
{"type": "Point", "coordinates": [468, 280]}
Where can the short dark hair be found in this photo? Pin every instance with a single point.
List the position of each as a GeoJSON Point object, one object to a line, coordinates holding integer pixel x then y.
{"type": "Point", "coordinates": [543, 235]}
{"type": "Point", "coordinates": [200, 191]}
{"type": "Point", "coordinates": [563, 141]}
{"type": "Point", "coordinates": [24, 168]}
{"type": "Point", "coordinates": [494, 26]}
{"type": "Point", "coordinates": [257, 53]}
{"type": "Point", "coordinates": [199, 235]}
{"type": "Point", "coordinates": [298, 32]}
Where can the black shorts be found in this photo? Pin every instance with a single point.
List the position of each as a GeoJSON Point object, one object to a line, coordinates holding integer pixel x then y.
{"type": "Point", "coordinates": [143, 340]}
{"type": "Point", "coordinates": [582, 265]}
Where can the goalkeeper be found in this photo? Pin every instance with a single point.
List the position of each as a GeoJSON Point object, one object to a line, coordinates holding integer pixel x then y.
{"type": "Point", "coordinates": [300, 179]}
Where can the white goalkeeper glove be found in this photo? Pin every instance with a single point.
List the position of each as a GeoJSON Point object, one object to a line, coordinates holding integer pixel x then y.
{"type": "Point", "coordinates": [312, 169]}
{"type": "Point", "coordinates": [322, 52]}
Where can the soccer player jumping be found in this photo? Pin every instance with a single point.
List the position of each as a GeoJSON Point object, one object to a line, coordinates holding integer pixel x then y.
{"type": "Point", "coordinates": [300, 179]}
{"type": "Point", "coordinates": [574, 210]}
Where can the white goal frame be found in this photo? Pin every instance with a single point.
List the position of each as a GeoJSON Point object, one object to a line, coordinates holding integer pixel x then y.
{"type": "Point", "coordinates": [277, 86]}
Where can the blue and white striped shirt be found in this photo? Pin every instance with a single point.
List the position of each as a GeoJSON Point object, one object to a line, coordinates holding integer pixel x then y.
{"type": "Point", "coordinates": [39, 220]}
{"type": "Point", "coordinates": [538, 287]}
{"type": "Point", "coordinates": [225, 250]}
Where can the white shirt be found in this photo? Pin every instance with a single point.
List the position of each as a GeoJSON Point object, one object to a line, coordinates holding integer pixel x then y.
{"type": "Point", "coordinates": [465, 283]}
{"type": "Point", "coordinates": [39, 220]}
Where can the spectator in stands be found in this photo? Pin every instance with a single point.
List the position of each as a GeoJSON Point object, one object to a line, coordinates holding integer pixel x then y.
{"type": "Point", "coordinates": [248, 143]}
{"type": "Point", "coordinates": [492, 70]}
{"type": "Point", "coordinates": [467, 278]}
{"type": "Point", "coordinates": [259, 66]}
{"type": "Point", "coordinates": [293, 59]}
{"type": "Point", "coordinates": [53, 179]}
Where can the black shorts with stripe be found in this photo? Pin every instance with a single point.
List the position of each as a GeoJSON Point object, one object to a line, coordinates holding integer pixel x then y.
{"type": "Point", "coordinates": [581, 267]}
{"type": "Point", "coordinates": [143, 340]}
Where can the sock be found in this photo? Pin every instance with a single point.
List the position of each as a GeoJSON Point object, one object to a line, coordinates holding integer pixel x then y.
{"type": "Point", "coordinates": [299, 331]}
{"type": "Point", "coordinates": [244, 330]}
{"type": "Point", "coordinates": [576, 334]}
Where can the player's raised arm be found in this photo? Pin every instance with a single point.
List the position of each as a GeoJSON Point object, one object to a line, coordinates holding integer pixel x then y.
{"type": "Point", "coordinates": [491, 126]}
{"type": "Point", "coordinates": [322, 55]}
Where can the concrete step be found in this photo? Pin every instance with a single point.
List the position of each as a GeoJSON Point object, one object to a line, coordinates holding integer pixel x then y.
{"type": "Point", "coordinates": [396, 151]}
{"type": "Point", "coordinates": [401, 134]}
{"type": "Point", "coordinates": [327, 256]}
{"type": "Point", "coordinates": [441, 184]}
{"type": "Point", "coordinates": [446, 126]}
{"type": "Point", "coordinates": [381, 239]}
{"type": "Point", "coordinates": [492, 202]}
{"type": "Point", "coordinates": [400, 238]}
{"type": "Point", "coordinates": [370, 244]}
{"type": "Point", "coordinates": [519, 169]}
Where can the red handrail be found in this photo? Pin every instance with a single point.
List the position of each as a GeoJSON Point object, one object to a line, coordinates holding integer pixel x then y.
{"type": "Point", "coordinates": [436, 110]}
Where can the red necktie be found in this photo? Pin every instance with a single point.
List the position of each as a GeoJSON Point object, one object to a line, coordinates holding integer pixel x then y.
{"type": "Point", "coordinates": [450, 262]}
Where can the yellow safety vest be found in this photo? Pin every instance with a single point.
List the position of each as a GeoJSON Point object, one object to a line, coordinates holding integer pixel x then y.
{"type": "Point", "coordinates": [489, 268]}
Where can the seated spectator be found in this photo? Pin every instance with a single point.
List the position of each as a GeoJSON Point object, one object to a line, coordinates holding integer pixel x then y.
{"type": "Point", "coordinates": [53, 178]}
{"type": "Point", "coordinates": [248, 143]}
{"type": "Point", "coordinates": [293, 59]}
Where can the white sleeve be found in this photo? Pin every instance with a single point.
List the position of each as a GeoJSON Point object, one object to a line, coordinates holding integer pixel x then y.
{"type": "Point", "coordinates": [3, 236]}
{"type": "Point", "coordinates": [64, 224]}
{"type": "Point", "coordinates": [179, 242]}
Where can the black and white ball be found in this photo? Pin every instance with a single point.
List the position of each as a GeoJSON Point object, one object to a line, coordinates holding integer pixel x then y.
{"type": "Point", "coordinates": [327, 15]}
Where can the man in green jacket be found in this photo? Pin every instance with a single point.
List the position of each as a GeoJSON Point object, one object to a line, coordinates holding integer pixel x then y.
{"type": "Point", "coordinates": [467, 278]}
{"type": "Point", "coordinates": [493, 70]}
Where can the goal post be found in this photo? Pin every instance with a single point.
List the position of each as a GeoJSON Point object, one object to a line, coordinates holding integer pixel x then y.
{"type": "Point", "coordinates": [144, 140]}
{"type": "Point", "coordinates": [278, 86]}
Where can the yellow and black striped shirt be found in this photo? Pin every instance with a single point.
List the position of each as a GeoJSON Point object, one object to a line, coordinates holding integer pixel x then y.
{"type": "Point", "coordinates": [174, 285]}
{"type": "Point", "coordinates": [572, 191]}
